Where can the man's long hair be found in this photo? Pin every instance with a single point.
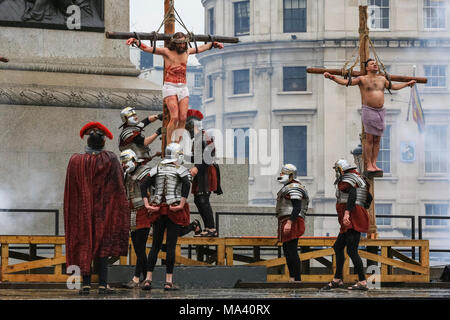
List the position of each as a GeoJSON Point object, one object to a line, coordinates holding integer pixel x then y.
{"type": "Point", "coordinates": [173, 45]}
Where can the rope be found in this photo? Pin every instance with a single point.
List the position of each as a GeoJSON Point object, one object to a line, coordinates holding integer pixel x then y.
{"type": "Point", "coordinates": [379, 62]}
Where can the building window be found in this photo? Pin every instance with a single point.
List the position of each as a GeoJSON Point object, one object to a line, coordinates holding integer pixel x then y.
{"type": "Point", "coordinates": [383, 209]}
{"type": "Point", "coordinates": [241, 81]}
{"type": "Point", "coordinates": [294, 78]}
{"type": "Point", "coordinates": [211, 22]}
{"type": "Point", "coordinates": [241, 143]}
{"type": "Point", "coordinates": [198, 79]}
{"type": "Point", "coordinates": [384, 155]}
{"type": "Point", "coordinates": [436, 210]}
{"type": "Point", "coordinates": [294, 15]}
{"type": "Point", "coordinates": [242, 18]}
{"type": "Point", "coordinates": [437, 76]}
{"type": "Point", "coordinates": [294, 148]}
{"type": "Point", "coordinates": [378, 14]}
{"type": "Point", "coordinates": [436, 149]}
{"type": "Point", "coordinates": [195, 101]}
{"type": "Point", "coordinates": [210, 87]}
{"type": "Point", "coordinates": [434, 14]}
{"type": "Point", "coordinates": [146, 61]}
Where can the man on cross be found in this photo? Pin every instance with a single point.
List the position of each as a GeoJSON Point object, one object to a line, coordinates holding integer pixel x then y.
{"type": "Point", "coordinates": [175, 91]}
{"type": "Point", "coordinates": [372, 87]}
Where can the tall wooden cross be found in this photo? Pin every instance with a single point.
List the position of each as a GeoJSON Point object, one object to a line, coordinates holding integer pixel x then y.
{"type": "Point", "coordinates": [364, 54]}
{"type": "Point", "coordinates": [169, 30]}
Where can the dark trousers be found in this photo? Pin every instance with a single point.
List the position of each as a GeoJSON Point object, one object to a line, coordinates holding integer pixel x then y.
{"type": "Point", "coordinates": [204, 208]}
{"type": "Point", "coordinates": [292, 259]}
{"type": "Point", "coordinates": [349, 239]}
{"type": "Point", "coordinates": [101, 265]}
{"type": "Point", "coordinates": [139, 238]}
{"type": "Point", "coordinates": [162, 224]}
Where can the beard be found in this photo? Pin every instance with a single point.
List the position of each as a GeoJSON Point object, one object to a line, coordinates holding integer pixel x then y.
{"type": "Point", "coordinates": [181, 50]}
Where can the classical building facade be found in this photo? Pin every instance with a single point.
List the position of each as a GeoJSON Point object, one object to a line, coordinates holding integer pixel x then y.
{"type": "Point", "coordinates": [261, 84]}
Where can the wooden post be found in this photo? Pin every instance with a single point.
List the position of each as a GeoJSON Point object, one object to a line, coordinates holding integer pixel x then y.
{"type": "Point", "coordinates": [364, 54]}
{"type": "Point", "coordinates": [169, 28]}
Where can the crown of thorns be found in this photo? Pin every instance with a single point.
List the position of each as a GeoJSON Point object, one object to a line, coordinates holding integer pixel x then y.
{"type": "Point", "coordinates": [186, 40]}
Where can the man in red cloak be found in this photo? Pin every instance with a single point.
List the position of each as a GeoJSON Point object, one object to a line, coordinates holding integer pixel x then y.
{"type": "Point", "coordinates": [96, 213]}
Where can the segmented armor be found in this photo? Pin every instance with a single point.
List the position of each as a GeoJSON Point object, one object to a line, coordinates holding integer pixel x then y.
{"type": "Point", "coordinates": [293, 190]}
{"type": "Point", "coordinates": [168, 183]}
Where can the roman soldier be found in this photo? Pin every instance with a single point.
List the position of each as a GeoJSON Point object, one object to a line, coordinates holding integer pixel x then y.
{"type": "Point", "coordinates": [206, 172]}
{"type": "Point", "coordinates": [96, 212]}
{"type": "Point", "coordinates": [170, 184]}
{"type": "Point", "coordinates": [291, 208]}
{"type": "Point", "coordinates": [352, 200]}
{"type": "Point", "coordinates": [132, 137]}
{"type": "Point", "coordinates": [134, 173]}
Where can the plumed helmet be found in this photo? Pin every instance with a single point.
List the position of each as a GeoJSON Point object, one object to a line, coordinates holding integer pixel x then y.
{"type": "Point", "coordinates": [174, 153]}
{"type": "Point", "coordinates": [343, 165]}
{"type": "Point", "coordinates": [194, 118]}
{"type": "Point", "coordinates": [127, 115]}
{"type": "Point", "coordinates": [96, 132]}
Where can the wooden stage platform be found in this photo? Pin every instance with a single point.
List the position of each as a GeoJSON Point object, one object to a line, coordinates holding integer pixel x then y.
{"type": "Point", "coordinates": [395, 265]}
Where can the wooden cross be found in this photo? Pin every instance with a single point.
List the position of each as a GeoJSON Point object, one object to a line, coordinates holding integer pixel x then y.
{"type": "Point", "coordinates": [169, 30]}
{"type": "Point", "coordinates": [364, 54]}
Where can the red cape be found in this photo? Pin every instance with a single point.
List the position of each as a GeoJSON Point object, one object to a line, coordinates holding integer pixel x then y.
{"type": "Point", "coordinates": [96, 212]}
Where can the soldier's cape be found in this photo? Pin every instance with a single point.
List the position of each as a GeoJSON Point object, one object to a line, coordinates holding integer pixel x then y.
{"type": "Point", "coordinates": [96, 212]}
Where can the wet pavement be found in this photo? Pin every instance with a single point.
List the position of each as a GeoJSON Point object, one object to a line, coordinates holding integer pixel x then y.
{"type": "Point", "coordinates": [235, 294]}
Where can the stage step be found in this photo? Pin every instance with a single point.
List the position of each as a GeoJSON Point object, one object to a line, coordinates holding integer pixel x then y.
{"type": "Point", "coordinates": [187, 277]}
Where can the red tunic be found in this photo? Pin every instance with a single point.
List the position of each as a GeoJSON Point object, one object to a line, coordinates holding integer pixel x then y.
{"type": "Point", "coordinates": [359, 217]}
{"type": "Point", "coordinates": [142, 218]}
{"type": "Point", "coordinates": [182, 217]}
{"type": "Point", "coordinates": [96, 211]}
{"type": "Point", "coordinates": [297, 229]}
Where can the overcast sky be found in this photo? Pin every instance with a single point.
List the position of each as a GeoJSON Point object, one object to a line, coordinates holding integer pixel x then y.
{"type": "Point", "coordinates": [147, 15]}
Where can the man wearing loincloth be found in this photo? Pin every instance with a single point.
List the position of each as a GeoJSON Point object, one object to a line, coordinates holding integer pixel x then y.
{"type": "Point", "coordinates": [372, 87]}
{"type": "Point", "coordinates": [175, 91]}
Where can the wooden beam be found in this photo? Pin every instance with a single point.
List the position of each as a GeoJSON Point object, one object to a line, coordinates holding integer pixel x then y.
{"type": "Point", "coordinates": [338, 72]}
{"type": "Point", "coordinates": [32, 239]}
{"type": "Point", "coordinates": [316, 254]}
{"type": "Point", "coordinates": [394, 263]}
{"type": "Point", "coordinates": [402, 257]}
{"type": "Point", "coordinates": [167, 36]}
{"type": "Point", "coordinates": [58, 254]}
{"type": "Point", "coordinates": [34, 264]}
{"type": "Point", "coordinates": [269, 263]}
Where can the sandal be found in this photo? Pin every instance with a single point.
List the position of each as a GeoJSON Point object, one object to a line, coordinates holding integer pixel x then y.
{"type": "Point", "coordinates": [334, 285]}
{"type": "Point", "coordinates": [85, 290]}
{"type": "Point", "coordinates": [209, 233]}
{"type": "Point", "coordinates": [131, 285]}
{"type": "Point", "coordinates": [196, 224]}
{"type": "Point", "coordinates": [358, 287]}
{"type": "Point", "coordinates": [105, 290]}
{"type": "Point", "coordinates": [169, 286]}
{"type": "Point", "coordinates": [146, 285]}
